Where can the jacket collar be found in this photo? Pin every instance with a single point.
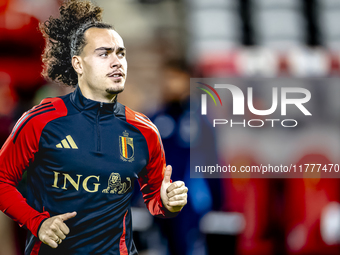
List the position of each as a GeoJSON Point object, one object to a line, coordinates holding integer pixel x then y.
{"type": "Point", "coordinates": [83, 103]}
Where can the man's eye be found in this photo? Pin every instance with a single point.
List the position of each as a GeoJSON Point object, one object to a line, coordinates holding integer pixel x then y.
{"type": "Point", "coordinates": [103, 54]}
{"type": "Point", "coordinates": [121, 54]}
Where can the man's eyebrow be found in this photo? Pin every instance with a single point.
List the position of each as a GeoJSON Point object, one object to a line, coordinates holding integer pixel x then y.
{"type": "Point", "coordinates": [110, 49]}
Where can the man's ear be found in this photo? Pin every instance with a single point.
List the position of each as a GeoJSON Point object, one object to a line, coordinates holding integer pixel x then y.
{"type": "Point", "coordinates": [77, 64]}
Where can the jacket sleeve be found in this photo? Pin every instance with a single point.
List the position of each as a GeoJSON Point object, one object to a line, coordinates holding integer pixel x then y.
{"type": "Point", "coordinates": [151, 178]}
{"type": "Point", "coordinates": [150, 181]}
{"type": "Point", "coordinates": [17, 154]}
{"type": "Point", "coordinates": [14, 158]}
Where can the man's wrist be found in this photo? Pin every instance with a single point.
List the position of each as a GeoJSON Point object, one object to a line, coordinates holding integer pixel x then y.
{"type": "Point", "coordinates": [40, 226]}
{"type": "Point", "coordinates": [167, 213]}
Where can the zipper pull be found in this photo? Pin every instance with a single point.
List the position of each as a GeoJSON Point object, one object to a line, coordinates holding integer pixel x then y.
{"type": "Point", "coordinates": [101, 104]}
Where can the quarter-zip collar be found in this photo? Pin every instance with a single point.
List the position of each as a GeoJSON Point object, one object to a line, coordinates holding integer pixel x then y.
{"type": "Point", "coordinates": [84, 104]}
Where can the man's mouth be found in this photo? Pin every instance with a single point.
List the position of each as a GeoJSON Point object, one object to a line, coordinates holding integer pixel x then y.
{"type": "Point", "coordinates": [116, 74]}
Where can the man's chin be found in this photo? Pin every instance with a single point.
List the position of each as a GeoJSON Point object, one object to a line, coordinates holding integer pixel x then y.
{"type": "Point", "coordinates": [116, 90]}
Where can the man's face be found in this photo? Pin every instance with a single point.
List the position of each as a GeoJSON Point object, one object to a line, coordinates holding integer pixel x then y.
{"type": "Point", "coordinates": [104, 66]}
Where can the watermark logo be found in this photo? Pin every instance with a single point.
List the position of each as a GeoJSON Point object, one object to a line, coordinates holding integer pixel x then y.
{"type": "Point", "coordinates": [204, 97]}
{"type": "Point", "coordinates": [294, 96]}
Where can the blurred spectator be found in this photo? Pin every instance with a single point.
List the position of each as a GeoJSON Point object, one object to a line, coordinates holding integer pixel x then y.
{"type": "Point", "coordinates": [182, 233]}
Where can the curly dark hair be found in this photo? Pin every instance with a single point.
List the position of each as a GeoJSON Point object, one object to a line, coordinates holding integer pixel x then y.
{"type": "Point", "coordinates": [65, 38]}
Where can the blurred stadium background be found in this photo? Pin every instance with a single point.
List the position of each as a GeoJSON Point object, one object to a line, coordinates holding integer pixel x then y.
{"type": "Point", "coordinates": [169, 41]}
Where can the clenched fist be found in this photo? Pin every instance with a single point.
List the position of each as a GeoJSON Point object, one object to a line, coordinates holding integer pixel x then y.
{"type": "Point", "coordinates": [173, 195]}
{"type": "Point", "coordinates": [54, 230]}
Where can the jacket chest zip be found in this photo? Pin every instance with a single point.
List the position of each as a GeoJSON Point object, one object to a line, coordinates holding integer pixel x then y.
{"type": "Point", "coordinates": [98, 127]}
{"type": "Point", "coordinates": [96, 111]}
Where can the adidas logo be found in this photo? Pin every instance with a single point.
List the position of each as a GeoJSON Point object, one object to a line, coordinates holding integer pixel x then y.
{"type": "Point", "coordinates": [67, 143]}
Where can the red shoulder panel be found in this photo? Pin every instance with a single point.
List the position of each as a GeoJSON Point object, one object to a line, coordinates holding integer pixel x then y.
{"type": "Point", "coordinates": [17, 153]}
{"type": "Point", "coordinates": [147, 128]}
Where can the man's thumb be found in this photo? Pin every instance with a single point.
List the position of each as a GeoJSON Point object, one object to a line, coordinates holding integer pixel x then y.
{"type": "Point", "coordinates": [67, 216]}
{"type": "Point", "coordinates": [167, 174]}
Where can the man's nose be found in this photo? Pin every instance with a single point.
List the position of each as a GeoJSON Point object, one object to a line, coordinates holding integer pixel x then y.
{"type": "Point", "coordinates": [115, 61]}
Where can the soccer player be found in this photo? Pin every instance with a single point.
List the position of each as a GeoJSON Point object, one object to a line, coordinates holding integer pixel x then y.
{"type": "Point", "coordinates": [83, 151]}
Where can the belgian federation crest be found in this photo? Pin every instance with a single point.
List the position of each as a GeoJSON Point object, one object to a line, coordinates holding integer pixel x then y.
{"type": "Point", "coordinates": [126, 147]}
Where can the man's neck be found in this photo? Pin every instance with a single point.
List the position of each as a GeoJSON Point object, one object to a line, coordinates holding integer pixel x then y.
{"type": "Point", "coordinates": [100, 97]}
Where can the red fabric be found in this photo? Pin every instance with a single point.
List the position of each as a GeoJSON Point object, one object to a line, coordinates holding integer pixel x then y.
{"type": "Point", "coordinates": [151, 182]}
{"type": "Point", "coordinates": [3, 5]}
{"type": "Point", "coordinates": [122, 245]}
{"type": "Point", "coordinates": [16, 156]}
{"type": "Point", "coordinates": [36, 248]}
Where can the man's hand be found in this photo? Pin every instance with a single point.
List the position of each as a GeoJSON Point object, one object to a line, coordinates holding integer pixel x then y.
{"type": "Point", "coordinates": [173, 195]}
{"type": "Point", "coordinates": [54, 230]}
